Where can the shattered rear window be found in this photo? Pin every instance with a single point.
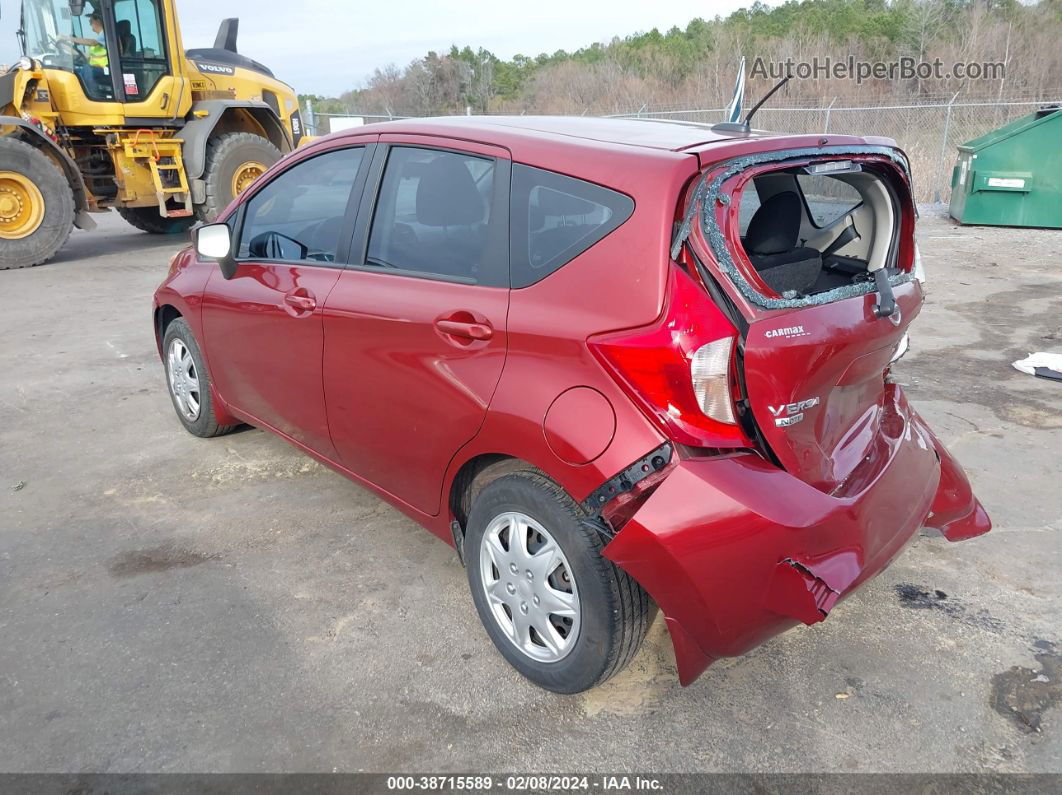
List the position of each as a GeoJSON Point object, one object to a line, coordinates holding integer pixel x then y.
{"type": "Point", "coordinates": [709, 197]}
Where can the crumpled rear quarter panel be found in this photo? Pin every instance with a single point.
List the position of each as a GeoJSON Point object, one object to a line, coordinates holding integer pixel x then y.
{"type": "Point", "coordinates": [716, 543]}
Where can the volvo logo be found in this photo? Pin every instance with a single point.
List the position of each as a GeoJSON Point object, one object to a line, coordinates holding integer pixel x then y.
{"type": "Point", "coordinates": [214, 68]}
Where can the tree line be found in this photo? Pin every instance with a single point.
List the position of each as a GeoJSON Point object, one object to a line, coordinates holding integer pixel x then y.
{"type": "Point", "coordinates": [695, 67]}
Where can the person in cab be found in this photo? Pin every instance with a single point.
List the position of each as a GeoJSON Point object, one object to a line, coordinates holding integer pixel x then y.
{"type": "Point", "coordinates": [98, 62]}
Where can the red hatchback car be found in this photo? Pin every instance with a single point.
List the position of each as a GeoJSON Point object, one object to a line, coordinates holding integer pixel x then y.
{"type": "Point", "coordinates": [615, 363]}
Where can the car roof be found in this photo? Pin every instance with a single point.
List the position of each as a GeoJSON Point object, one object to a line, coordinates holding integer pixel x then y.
{"type": "Point", "coordinates": [660, 134]}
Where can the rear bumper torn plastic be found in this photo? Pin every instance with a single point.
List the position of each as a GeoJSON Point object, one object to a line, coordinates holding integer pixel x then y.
{"type": "Point", "coordinates": [735, 550]}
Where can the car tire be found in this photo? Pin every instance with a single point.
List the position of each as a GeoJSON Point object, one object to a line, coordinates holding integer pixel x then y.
{"type": "Point", "coordinates": [147, 219]}
{"type": "Point", "coordinates": [612, 612]}
{"type": "Point", "coordinates": [34, 189]}
{"type": "Point", "coordinates": [228, 158]}
{"type": "Point", "coordinates": [185, 368]}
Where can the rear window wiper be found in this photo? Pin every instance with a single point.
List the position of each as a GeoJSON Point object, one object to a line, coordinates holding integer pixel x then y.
{"type": "Point", "coordinates": [886, 303]}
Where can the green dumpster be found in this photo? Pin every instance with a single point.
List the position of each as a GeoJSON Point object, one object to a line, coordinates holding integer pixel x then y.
{"type": "Point", "coordinates": [1012, 176]}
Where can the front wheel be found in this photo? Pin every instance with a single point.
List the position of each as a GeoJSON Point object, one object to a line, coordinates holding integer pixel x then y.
{"type": "Point", "coordinates": [36, 206]}
{"type": "Point", "coordinates": [189, 381]}
{"type": "Point", "coordinates": [560, 613]}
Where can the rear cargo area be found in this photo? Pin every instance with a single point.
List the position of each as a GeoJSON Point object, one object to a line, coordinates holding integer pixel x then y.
{"type": "Point", "coordinates": [815, 254]}
{"type": "Point", "coordinates": [810, 229]}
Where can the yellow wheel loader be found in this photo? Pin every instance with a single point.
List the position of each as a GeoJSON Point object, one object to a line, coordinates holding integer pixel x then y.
{"type": "Point", "coordinates": [106, 109]}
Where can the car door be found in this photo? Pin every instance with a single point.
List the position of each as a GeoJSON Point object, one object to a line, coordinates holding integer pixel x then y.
{"type": "Point", "coordinates": [415, 327]}
{"type": "Point", "coordinates": [264, 326]}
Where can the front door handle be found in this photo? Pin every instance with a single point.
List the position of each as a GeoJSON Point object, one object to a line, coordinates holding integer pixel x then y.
{"type": "Point", "coordinates": [465, 330]}
{"type": "Point", "coordinates": [305, 303]}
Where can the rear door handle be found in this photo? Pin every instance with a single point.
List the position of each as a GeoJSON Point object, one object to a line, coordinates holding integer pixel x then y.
{"type": "Point", "coordinates": [306, 303]}
{"type": "Point", "coordinates": [465, 330]}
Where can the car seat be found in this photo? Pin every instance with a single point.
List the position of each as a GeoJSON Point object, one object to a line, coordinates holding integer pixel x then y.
{"type": "Point", "coordinates": [771, 244]}
{"type": "Point", "coordinates": [447, 199]}
{"type": "Point", "coordinates": [126, 39]}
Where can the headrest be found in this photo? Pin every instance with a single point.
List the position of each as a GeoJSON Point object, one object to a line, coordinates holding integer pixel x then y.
{"type": "Point", "coordinates": [775, 226]}
{"type": "Point", "coordinates": [447, 195]}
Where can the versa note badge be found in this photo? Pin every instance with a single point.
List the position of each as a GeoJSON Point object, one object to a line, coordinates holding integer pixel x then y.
{"type": "Point", "coordinates": [791, 413]}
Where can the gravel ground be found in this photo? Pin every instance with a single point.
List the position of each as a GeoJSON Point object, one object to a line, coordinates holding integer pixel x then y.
{"type": "Point", "coordinates": [175, 604]}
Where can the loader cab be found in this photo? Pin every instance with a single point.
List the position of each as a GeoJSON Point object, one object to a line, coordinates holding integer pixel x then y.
{"type": "Point", "coordinates": [105, 51]}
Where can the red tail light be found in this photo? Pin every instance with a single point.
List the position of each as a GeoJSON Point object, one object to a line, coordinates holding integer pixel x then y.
{"type": "Point", "coordinates": [679, 369]}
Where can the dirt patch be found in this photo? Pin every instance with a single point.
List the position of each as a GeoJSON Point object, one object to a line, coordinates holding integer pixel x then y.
{"type": "Point", "coordinates": [238, 470]}
{"type": "Point", "coordinates": [151, 561]}
{"type": "Point", "coordinates": [980, 371]}
{"type": "Point", "coordinates": [643, 685]}
{"type": "Point", "coordinates": [1022, 695]}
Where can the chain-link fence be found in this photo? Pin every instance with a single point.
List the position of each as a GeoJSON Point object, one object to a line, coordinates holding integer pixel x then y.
{"type": "Point", "coordinates": [928, 132]}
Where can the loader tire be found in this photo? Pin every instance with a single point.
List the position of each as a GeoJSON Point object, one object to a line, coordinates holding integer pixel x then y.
{"type": "Point", "coordinates": [147, 219]}
{"type": "Point", "coordinates": [36, 206]}
{"type": "Point", "coordinates": [233, 162]}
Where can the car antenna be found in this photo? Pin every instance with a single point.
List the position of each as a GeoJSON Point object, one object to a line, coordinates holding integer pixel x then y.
{"type": "Point", "coordinates": [746, 125]}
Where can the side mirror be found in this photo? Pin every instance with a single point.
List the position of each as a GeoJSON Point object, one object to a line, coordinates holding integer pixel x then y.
{"type": "Point", "coordinates": [214, 241]}
{"type": "Point", "coordinates": [77, 7]}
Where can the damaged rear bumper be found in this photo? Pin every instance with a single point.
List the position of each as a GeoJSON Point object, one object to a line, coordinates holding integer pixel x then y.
{"type": "Point", "coordinates": [735, 550]}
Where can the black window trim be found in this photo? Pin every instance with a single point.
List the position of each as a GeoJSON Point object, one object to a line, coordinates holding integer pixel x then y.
{"type": "Point", "coordinates": [497, 249]}
{"type": "Point", "coordinates": [520, 284]}
{"type": "Point", "coordinates": [349, 214]}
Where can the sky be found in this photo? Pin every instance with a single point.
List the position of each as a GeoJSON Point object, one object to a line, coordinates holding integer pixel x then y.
{"type": "Point", "coordinates": [328, 46]}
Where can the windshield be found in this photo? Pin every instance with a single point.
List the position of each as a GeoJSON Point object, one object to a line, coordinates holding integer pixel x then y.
{"type": "Point", "coordinates": [44, 23]}
{"type": "Point", "coordinates": [51, 34]}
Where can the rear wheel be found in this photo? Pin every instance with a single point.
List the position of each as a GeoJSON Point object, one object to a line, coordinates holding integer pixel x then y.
{"type": "Point", "coordinates": [36, 206]}
{"type": "Point", "coordinates": [560, 613]}
{"type": "Point", "coordinates": [147, 219]}
{"type": "Point", "coordinates": [233, 162]}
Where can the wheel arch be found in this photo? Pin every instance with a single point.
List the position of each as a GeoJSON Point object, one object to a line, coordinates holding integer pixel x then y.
{"type": "Point", "coordinates": [478, 472]}
{"type": "Point", "coordinates": [30, 134]}
{"type": "Point", "coordinates": [218, 116]}
{"type": "Point", "coordinates": [164, 315]}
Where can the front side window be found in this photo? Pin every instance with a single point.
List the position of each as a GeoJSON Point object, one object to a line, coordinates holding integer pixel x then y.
{"type": "Point", "coordinates": [555, 218]}
{"type": "Point", "coordinates": [141, 46]}
{"type": "Point", "coordinates": [433, 213]}
{"type": "Point", "coordinates": [299, 215]}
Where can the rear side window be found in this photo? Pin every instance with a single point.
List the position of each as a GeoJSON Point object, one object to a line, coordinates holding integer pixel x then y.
{"type": "Point", "coordinates": [299, 215]}
{"type": "Point", "coordinates": [433, 213]}
{"type": "Point", "coordinates": [827, 199]}
{"type": "Point", "coordinates": [555, 218]}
